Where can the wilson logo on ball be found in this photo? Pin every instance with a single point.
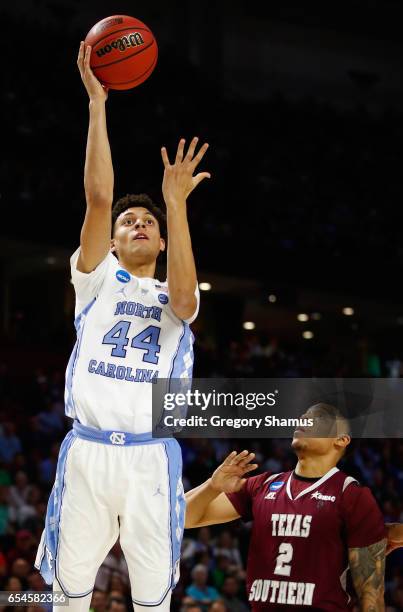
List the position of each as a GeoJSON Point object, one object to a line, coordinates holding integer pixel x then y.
{"type": "Point", "coordinates": [123, 43]}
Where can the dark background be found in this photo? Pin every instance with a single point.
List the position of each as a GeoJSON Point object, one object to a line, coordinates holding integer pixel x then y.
{"type": "Point", "coordinates": [301, 104]}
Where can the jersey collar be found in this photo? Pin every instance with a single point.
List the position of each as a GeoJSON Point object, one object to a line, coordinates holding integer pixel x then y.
{"type": "Point", "coordinates": [313, 486]}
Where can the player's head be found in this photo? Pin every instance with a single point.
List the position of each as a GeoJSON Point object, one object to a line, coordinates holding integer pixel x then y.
{"type": "Point", "coordinates": [138, 229]}
{"type": "Point", "coordinates": [329, 433]}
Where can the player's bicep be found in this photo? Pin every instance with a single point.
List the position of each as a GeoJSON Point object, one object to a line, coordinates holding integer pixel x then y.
{"type": "Point", "coordinates": [220, 510]}
{"type": "Point", "coordinates": [95, 238]}
{"type": "Point", "coordinates": [367, 566]}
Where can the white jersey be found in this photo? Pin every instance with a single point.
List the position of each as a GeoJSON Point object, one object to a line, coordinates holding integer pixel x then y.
{"type": "Point", "coordinates": [127, 337]}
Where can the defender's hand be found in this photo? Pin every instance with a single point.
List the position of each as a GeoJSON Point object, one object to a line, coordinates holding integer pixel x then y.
{"type": "Point", "coordinates": [178, 181]}
{"type": "Point", "coordinates": [229, 476]}
{"type": "Point", "coordinates": [95, 90]}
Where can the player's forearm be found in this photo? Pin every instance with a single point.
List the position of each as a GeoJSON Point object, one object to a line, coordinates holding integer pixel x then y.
{"type": "Point", "coordinates": [98, 171]}
{"type": "Point", "coordinates": [181, 265]}
{"type": "Point", "coordinates": [367, 566]}
{"type": "Point", "coordinates": [197, 502]}
{"type": "Point", "coordinates": [372, 602]}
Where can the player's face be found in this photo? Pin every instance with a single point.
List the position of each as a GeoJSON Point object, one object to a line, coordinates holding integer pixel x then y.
{"type": "Point", "coordinates": [319, 438]}
{"type": "Point", "coordinates": [137, 235]}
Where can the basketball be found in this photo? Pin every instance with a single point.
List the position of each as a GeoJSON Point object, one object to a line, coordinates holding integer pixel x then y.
{"type": "Point", "coordinates": [124, 51]}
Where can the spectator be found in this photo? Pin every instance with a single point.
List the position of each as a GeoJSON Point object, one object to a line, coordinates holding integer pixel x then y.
{"type": "Point", "coordinates": [21, 569]}
{"type": "Point", "coordinates": [201, 592]}
{"type": "Point", "coordinates": [115, 567]}
{"type": "Point", "coordinates": [116, 603]}
{"type": "Point", "coordinates": [98, 601]}
{"type": "Point", "coordinates": [191, 547]}
{"type": "Point", "coordinates": [230, 590]}
{"type": "Point", "coordinates": [10, 443]}
{"type": "Point", "coordinates": [47, 467]}
{"type": "Point", "coordinates": [19, 491]}
{"type": "Point", "coordinates": [226, 546]}
{"type": "Point", "coordinates": [218, 606]}
{"type": "Point", "coordinates": [36, 582]}
{"type": "Point", "coordinates": [13, 584]}
{"type": "Point", "coordinates": [25, 547]}
{"type": "Point", "coordinates": [6, 514]}
{"type": "Point", "coordinates": [221, 570]}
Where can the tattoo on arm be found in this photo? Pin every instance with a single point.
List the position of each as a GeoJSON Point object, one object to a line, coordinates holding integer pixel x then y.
{"type": "Point", "coordinates": [367, 567]}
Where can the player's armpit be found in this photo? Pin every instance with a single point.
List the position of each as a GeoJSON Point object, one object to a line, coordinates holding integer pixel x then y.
{"type": "Point", "coordinates": [367, 566]}
{"type": "Point", "coordinates": [219, 510]}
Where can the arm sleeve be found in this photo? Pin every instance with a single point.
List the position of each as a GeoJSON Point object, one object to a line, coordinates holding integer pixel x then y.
{"type": "Point", "coordinates": [88, 285]}
{"type": "Point", "coordinates": [243, 500]}
{"type": "Point", "coordinates": [362, 516]}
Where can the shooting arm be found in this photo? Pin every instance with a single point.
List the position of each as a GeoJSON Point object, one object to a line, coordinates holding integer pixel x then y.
{"type": "Point", "coordinates": [98, 173]}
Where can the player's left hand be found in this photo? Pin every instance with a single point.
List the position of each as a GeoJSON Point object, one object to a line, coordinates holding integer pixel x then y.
{"type": "Point", "coordinates": [178, 181]}
{"type": "Point", "coordinates": [395, 536]}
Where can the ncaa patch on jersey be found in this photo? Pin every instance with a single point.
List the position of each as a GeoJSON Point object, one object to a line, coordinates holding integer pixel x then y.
{"type": "Point", "coordinates": [123, 276]}
{"type": "Point", "coordinates": [163, 298]}
{"type": "Point", "coordinates": [275, 486]}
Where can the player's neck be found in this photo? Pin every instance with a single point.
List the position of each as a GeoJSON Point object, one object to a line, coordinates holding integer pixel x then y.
{"type": "Point", "coordinates": [141, 270]}
{"type": "Point", "coordinates": [313, 467]}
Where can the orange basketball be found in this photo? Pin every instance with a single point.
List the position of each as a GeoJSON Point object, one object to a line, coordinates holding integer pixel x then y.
{"type": "Point", "coordinates": [124, 51]}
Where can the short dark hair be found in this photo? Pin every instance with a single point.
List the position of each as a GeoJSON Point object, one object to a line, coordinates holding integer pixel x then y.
{"type": "Point", "coordinates": [336, 414]}
{"type": "Point", "coordinates": [142, 199]}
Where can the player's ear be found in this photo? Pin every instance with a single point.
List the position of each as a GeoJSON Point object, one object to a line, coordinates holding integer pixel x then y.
{"type": "Point", "coordinates": [343, 441]}
{"type": "Point", "coordinates": [113, 247]}
{"type": "Point", "coordinates": [162, 244]}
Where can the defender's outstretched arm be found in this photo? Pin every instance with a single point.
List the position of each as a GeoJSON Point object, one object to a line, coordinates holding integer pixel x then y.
{"type": "Point", "coordinates": [208, 504]}
{"type": "Point", "coordinates": [98, 172]}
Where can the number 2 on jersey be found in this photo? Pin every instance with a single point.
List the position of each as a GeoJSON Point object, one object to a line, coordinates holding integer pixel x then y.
{"type": "Point", "coordinates": [146, 340]}
{"type": "Point", "coordinates": [285, 553]}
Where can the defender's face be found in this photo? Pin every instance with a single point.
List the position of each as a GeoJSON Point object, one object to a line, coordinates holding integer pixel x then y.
{"type": "Point", "coordinates": [319, 438]}
{"type": "Point", "coordinates": [137, 235]}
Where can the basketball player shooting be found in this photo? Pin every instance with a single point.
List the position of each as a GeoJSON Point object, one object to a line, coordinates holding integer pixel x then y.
{"type": "Point", "coordinates": [113, 479]}
{"type": "Point", "coordinates": [309, 524]}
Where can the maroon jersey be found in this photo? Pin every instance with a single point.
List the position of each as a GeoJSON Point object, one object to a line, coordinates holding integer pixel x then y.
{"type": "Point", "coordinates": [302, 530]}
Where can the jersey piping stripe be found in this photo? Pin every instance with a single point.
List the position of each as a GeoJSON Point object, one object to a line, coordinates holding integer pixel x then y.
{"type": "Point", "coordinates": [68, 393]}
{"type": "Point", "coordinates": [348, 481]}
{"type": "Point", "coordinates": [313, 486]}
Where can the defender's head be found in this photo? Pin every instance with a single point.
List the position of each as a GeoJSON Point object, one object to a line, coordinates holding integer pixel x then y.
{"type": "Point", "coordinates": [138, 229]}
{"type": "Point", "coordinates": [329, 434]}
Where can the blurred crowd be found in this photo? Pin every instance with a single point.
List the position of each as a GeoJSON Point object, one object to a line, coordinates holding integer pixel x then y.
{"type": "Point", "coordinates": [32, 425]}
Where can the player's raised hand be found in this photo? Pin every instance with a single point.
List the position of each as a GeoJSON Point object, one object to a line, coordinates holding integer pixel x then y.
{"type": "Point", "coordinates": [95, 90]}
{"type": "Point", "coordinates": [178, 181]}
{"type": "Point", "coordinates": [229, 476]}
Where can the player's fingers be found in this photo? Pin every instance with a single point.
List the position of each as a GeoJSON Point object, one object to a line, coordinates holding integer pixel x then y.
{"type": "Point", "coordinates": [239, 457]}
{"type": "Point", "coordinates": [199, 177]}
{"type": "Point", "coordinates": [80, 56]}
{"type": "Point", "coordinates": [244, 462]}
{"type": "Point", "coordinates": [179, 152]}
{"type": "Point", "coordinates": [197, 158]}
{"type": "Point", "coordinates": [87, 58]}
{"type": "Point", "coordinates": [192, 147]}
{"type": "Point", "coordinates": [249, 468]}
{"type": "Point", "coordinates": [164, 156]}
{"type": "Point", "coordinates": [229, 458]}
